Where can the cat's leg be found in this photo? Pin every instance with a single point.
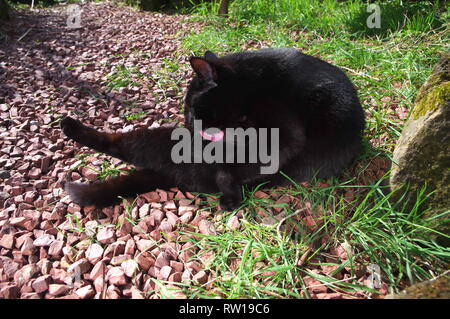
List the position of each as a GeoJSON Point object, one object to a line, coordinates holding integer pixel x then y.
{"type": "Point", "coordinates": [106, 193]}
{"type": "Point", "coordinates": [141, 147]}
{"type": "Point", "coordinates": [231, 191]}
{"type": "Point", "coordinates": [108, 143]}
{"type": "Point", "coordinates": [149, 149]}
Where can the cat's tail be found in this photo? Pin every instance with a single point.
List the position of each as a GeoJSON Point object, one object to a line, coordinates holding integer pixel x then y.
{"type": "Point", "coordinates": [106, 193]}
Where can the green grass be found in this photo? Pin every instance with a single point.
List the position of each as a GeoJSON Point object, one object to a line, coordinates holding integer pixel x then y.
{"type": "Point", "coordinates": [164, 79]}
{"type": "Point", "coordinates": [328, 16]}
{"type": "Point", "coordinates": [131, 116]}
{"type": "Point", "coordinates": [107, 169]}
{"type": "Point", "coordinates": [167, 78]}
{"type": "Point", "coordinates": [390, 63]}
{"type": "Point", "coordinates": [258, 261]}
{"type": "Point", "coordinates": [104, 170]}
{"type": "Point", "coordinates": [123, 76]}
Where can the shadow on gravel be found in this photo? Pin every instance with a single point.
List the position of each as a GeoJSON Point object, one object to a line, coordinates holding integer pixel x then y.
{"type": "Point", "coordinates": [45, 45]}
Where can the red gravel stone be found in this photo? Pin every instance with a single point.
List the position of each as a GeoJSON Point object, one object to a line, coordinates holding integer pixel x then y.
{"type": "Point", "coordinates": [55, 248]}
{"type": "Point", "coordinates": [177, 266]}
{"type": "Point", "coordinates": [71, 296]}
{"type": "Point", "coordinates": [165, 272]}
{"type": "Point", "coordinates": [44, 240]}
{"type": "Point", "coordinates": [145, 261]}
{"type": "Point", "coordinates": [97, 275]}
{"type": "Point", "coordinates": [261, 194]}
{"type": "Point", "coordinates": [154, 272]}
{"type": "Point", "coordinates": [162, 260]}
{"type": "Point", "coordinates": [184, 209]}
{"type": "Point", "coordinates": [97, 271]}
{"type": "Point", "coordinates": [94, 253]}
{"type": "Point", "coordinates": [144, 210]}
{"type": "Point", "coordinates": [233, 222]}
{"type": "Point", "coordinates": [82, 265]}
{"type": "Point", "coordinates": [7, 241]}
{"type": "Point", "coordinates": [116, 276]}
{"type": "Point", "coordinates": [186, 217]}
{"type": "Point", "coordinates": [89, 173]}
{"type": "Point", "coordinates": [118, 260]}
{"type": "Point", "coordinates": [113, 292]}
{"type": "Point", "coordinates": [22, 222]}
{"type": "Point", "coordinates": [176, 277]}
{"type": "Point", "coordinates": [162, 196]}
{"type": "Point", "coordinates": [58, 289]}
{"type": "Point", "coordinates": [24, 275]}
{"type": "Point", "coordinates": [170, 205]}
{"type": "Point", "coordinates": [151, 197]}
{"type": "Point", "coordinates": [329, 296]}
{"type": "Point", "coordinates": [201, 277]}
{"type": "Point", "coordinates": [187, 252]}
{"type": "Point", "coordinates": [41, 284]}
{"type": "Point", "coordinates": [194, 266]}
{"type": "Point", "coordinates": [10, 292]}
{"type": "Point", "coordinates": [206, 227]}
{"type": "Point", "coordinates": [157, 215]}
{"type": "Point", "coordinates": [136, 293]}
{"type": "Point", "coordinates": [130, 247]}
{"type": "Point", "coordinates": [172, 218]}
{"type": "Point", "coordinates": [105, 235]}
{"type": "Point", "coordinates": [27, 247]}
{"type": "Point", "coordinates": [85, 292]}
{"type": "Point", "coordinates": [30, 295]}
{"type": "Point", "coordinates": [45, 266]}
{"type": "Point", "coordinates": [165, 227]}
{"type": "Point", "coordinates": [144, 244]}
{"type": "Point", "coordinates": [129, 267]}
{"type": "Point", "coordinates": [314, 285]}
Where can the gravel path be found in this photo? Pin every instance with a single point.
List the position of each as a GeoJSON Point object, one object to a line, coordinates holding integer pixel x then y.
{"type": "Point", "coordinates": [48, 71]}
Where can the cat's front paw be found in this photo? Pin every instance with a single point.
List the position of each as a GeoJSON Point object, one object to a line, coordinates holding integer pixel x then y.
{"type": "Point", "coordinates": [230, 202]}
{"type": "Point", "coordinates": [72, 128]}
{"type": "Point", "coordinates": [78, 193]}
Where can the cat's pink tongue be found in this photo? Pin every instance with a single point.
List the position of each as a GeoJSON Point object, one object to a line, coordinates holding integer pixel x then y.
{"type": "Point", "coordinates": [212, 137]}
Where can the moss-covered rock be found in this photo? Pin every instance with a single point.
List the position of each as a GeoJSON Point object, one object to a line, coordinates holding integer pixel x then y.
{"type": "Point", "coordinates": [422, 154]}
{"type": "Point", "coordinates": [440, 74]}
{"type": "Point", "coordinates": [433, 289]}
{"type": "Point", "coordinates": [432, 100]}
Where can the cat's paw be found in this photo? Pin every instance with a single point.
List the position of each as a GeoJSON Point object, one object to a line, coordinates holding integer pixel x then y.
{"type": "Point", "coordinates": [72, 128]}
{"type": "Point", "coordinates": [230, 202]}
{"type": "Point", "coordinates": [78, 193]}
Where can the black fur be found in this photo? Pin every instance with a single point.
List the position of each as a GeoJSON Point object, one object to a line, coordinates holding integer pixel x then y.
{"type": "Point", "coordinates": [313, 104]}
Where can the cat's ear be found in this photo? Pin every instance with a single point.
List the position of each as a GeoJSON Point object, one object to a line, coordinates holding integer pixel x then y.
{"type": "Point", "coordinates": [210, 56]}
{"type": "Point", "coordinates": [204, 69]}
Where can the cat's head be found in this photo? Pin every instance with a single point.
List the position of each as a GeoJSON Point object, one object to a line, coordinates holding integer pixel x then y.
{"type": "Point", "coordinates": [214, 96]}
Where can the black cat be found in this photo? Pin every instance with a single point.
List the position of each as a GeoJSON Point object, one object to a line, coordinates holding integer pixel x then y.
{"type": "Point", "coordinates": [313, 104]}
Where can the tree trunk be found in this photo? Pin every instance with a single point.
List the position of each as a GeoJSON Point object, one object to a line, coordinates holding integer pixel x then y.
{"type": "Point", "coordinates": [4, 10]}
{"type": "Point", "coordinates": [223, 8]}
